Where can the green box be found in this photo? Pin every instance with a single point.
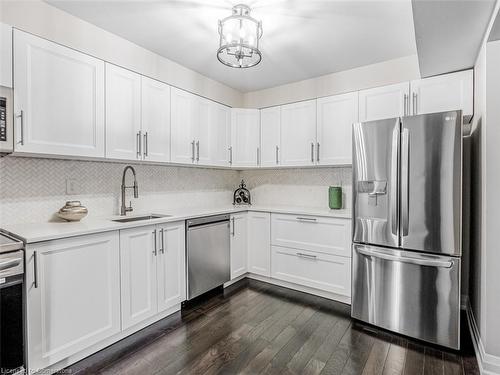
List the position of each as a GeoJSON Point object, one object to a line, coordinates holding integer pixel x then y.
{"type": "Point", "coordinates": [335, 197]}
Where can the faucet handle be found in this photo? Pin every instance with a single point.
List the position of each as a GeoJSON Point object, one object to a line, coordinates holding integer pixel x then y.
{"type": "Point", "coordinates": [130, 208]}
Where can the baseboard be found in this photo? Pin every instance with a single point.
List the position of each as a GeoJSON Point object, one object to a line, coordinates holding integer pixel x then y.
{"type": "Point", "coordinates": [488, 364]}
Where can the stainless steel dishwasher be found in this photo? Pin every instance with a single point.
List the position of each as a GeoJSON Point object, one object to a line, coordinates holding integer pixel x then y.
{"type": "Point", "coordinates": [208, 257]}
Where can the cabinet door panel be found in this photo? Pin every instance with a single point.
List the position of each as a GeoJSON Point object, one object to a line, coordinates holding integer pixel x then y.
{"type": "Point", "coordinates": [155, 120]}
{"type": "Point", "coordinates": [259, 243]}
{"type": "Point", "coordinates": [76, 302]}
{"type": "Point", "coordinates": [384, 102]}
{"type": "Point", "coordinates": [245, 137]}
{"type": "Point", "coordinates": [123, 113]}
{"type": "Point", "coordinates": [298, 133]}
{"type": "Point", "coordinates": [203, 147]}
{"type": "Point", "coordinates": [336, 114]}
{"type": "Point", "coordinates": [238, 245]}
{"type": "Point", "coordinates": [447, 92]}
{"type": "Point", "coordinates": [61, 95]}
{"type": "Point", "coordinates": [171, 266]}
{"type": "Point", "coordinates": [270, 132]}
{"type": "Point", "coordinates": [219, 137]}
{"type": "Point", "coordinates": [5, 55]}
{"type": "Point", "coordinates": [184, 119]}
{"type": "Point", "coordinates": [138, 274]}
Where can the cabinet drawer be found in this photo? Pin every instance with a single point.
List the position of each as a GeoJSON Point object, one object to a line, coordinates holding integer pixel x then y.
{"type": "Point", "coordinates": [321, 234]}
{"type": "Point", "coordinates": [321, 271]}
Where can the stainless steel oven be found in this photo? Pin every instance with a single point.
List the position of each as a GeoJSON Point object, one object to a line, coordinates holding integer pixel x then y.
{"type": "Point", "coordinates": [6, 121]}
{"type": "Point", "coordinates": [12, 358]}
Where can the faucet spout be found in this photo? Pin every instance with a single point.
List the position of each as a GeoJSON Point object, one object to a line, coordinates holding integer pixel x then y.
{"type": "Point", "coordinates": [124, 209]}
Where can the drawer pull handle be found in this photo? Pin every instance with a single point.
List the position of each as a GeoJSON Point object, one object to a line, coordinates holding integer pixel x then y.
{"type": "Point", "coordinates": [308, 256]}
{"type": "Point", "coordinates": [306, 218]}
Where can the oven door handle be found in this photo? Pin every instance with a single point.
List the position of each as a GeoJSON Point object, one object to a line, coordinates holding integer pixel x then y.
{"type": "Point", "coordinates": [10, 263]}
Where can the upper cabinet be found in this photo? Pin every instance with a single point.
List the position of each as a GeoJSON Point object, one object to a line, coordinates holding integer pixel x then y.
{"type": "Point", "coordinates": [58, 99]}
{"type": "Point", "coordinates": [123, 114]}
{"type": "Point", "coordinates": [446, 92]}
{"type": "Point", "coordinates": [245, 137]}
{"type": "Point", "coordinates": [155, 123]}
{"type": "Point", "coordinates": [298, 134]}
{"type": "Point", "coordinates": [384, 102]}
{"type": "Point", "coordinates": [336, 114]}
{"type": "Point", "coordinates": [184, 120]}
{"type": "Point", "coordinates": [270, 136]}
{"type": "Point", "coordinates": [5, 55]}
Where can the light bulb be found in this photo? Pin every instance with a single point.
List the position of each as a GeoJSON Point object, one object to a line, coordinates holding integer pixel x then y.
{"type": "Point", "coordinates": [229, 38]}
{"type": "Point", "coordinates": [242, 33]}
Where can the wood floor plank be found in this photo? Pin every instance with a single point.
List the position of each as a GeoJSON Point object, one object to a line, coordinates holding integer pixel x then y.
{"type": "Point", "coordinates": [359, 354]}
{"type": "Point", "coordinates": [377, 357]}
{"type": "Point", "coordinates": [340, 355]}
{"type": "Point", "coordinates": [433, 362]}
{"type": "Point", "coordinates": [452, 364]}
{"type": "Point", "coordinates": [414, 364]}
{"type": "Point", "coordinates": [396, 357]}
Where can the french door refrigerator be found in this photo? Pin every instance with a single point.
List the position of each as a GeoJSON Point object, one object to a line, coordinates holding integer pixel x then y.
{"type": "Point", "coordinates": [407, 225]}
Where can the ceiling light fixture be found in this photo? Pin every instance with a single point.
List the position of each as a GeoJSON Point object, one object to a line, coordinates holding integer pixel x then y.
{"type": "Point", "coordinates": [239, 39]}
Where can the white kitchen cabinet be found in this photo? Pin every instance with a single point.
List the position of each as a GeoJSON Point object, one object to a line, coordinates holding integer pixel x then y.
{"type": "Point", "coordinates": [171, 265]}
{"type": "Point", "coordinates": [245, 137]}
{"type": "Point", "coordinates": [213, 133]}
{"type": "Point", "coordinates": [336, 114]}
{"type": "Point", "coordinates": [270, 136]}
{"type": "Point", "coordinates": [315, 270]}
{"type": "Point", "coordinates": [138, 252]}
{"type": "Point", "coordinates": [446, 92]}
{"type": "Point", "coordinates": [123, 114]}
{"type": "Point", "coordinates": [259, 243]}
{"type": "Point", "coordinates": [238, 244]}
{"type": "Point", "coordinates": [298, 133]}
{"type": "Point", "coordinates": [58, 99]}
{"type": "Point", "coordinates": [184, 121]}
{"type": "Point", "coordinates": [73, 300]}
{"type": "Point", "coordinates": [384, 102]}
{"type": "Point", "coordinates": [5, 55]}
{"type": "Point", "coordinates": [155, 124]}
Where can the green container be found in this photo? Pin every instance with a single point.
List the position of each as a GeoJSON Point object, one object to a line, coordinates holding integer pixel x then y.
{"type": "Point", "coordinates": [335, 197]}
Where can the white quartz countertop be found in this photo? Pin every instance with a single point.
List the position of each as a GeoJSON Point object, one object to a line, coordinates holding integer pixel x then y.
{"type": "Point", "coordinates": [46, 231]}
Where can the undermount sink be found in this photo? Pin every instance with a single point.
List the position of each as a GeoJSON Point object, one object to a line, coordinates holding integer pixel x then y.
{"type": "Point", "coordinates": [140, 218]}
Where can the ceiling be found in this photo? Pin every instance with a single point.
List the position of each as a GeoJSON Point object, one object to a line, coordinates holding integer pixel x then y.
{"type": "Point", "coordinates": [302, 38]}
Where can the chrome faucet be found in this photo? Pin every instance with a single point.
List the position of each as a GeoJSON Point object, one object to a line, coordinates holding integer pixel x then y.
{"type": "Point", "coordinates": [124, 209]}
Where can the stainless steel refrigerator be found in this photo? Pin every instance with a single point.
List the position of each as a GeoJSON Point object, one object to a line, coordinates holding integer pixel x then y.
{"type": "Point", "coordinates": [407, 225]}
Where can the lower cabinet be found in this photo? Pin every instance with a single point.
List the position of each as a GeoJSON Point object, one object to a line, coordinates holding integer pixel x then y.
{"type": "Point", "coordinates": [73, 296]}
{"type": "Point", "coordinates": [238, 244]}
{"type": "Point", "coordinates": [259, 243]}
{"type": "Point", "coordinates": [152, 270]}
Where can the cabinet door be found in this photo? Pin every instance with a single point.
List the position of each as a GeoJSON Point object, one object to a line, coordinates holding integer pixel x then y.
{"type": "Point", "coordinates": [58, 99]}
{"type": "Point", "coordinates": [203, 132]}
{"type": "Point", "coordinates": [171, 265]}
{"type": "Point", "coordinates": [138, 252]}
{"type": "Point", "coordinates": [5, 55]}
{"type": "Point", "coordinates": [155, 114]}
{"type": "Point", "coordinates": [259, 243]}
{"type": "Point", "coordinates": [336, 114]}
{"type": "Point", "coordinates": [270, 132]}
{"type": "Point", "coordinates": [298, 133]}
{"type": "Point", "coordinates": [443, 93]}
{"type": "Point", "coordinates": [238, 245]}
{"type": "Point", "coordinates": [219, 135]}
{"type": "Point", "coordinates": [384, 102]}
{"type": "Point", "coordinates": [184, 118]}
{"type": "Point", "coordinates": [245, 137]}
{"type": "Point", "coordinates": [123, 114]}
{"type": "Point", "coordinates": [73, 301]}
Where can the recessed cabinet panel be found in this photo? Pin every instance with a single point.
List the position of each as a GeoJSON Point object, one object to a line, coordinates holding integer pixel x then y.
{"type": "Point", "coordinates": [219, 135]}
{"type": "Point", "coordinates": [123, 114]}
{"type": "Point", "coordinates": [259, 243]}
{"type": "Point", "coordinates": [184, 123]}
{"type": "Point", "coordinates": [270, 132]}
{"type": "Point", "coordinates": [336, 114]}
{"type": "Point", "coordinates": [238, 243]}
{"type": "Point", "coordinates": [298, 134]}
{"type": "Point", "coordinates": [58, 99]}
{"type": "Point", "coordinates": [245, 137]}
{"type": "Point", "coordinates": [5, 55]}
{"type": "Point", "coordinates": [384, 102]}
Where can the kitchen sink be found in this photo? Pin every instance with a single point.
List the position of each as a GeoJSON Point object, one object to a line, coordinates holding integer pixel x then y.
{"type": "Point", "coordinates": [140, 218]}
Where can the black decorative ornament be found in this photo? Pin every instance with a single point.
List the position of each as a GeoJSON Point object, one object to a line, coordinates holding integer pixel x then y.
{"type": "Point", "coordinates": [242, 195]}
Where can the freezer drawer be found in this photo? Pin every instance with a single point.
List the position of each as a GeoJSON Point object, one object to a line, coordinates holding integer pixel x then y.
{"type": "Point", "coordinates": [410, 293]}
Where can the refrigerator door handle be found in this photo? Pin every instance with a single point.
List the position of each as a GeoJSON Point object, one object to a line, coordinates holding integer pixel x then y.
{"type": "Point", "coordinates": [394, 182]}
{"type": "Point", "coordinates": [403, 259]}
{"type": "Point", "coordinates": [405, 176]}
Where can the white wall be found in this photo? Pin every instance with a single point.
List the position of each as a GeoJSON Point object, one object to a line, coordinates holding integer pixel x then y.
{"type": "Point", "coordinates": [384, 73]}
{"type": "Point", "coordinates": [46, 21]}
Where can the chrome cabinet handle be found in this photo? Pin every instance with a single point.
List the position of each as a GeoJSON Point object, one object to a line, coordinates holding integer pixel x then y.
{"type": "Point", "coordinates": [405, 175]}
{"type": "Point", "coordinates": [258, 155]}
{"type": "Point", "coordinates": [308, 256]}
{"type": "Point", "coordinates": [21, 115]}
{"type": "Point", "coordinates": [232, 221]}
{"type": "Point", "coordinates": [146, 144]}
{"type": "Point", "coordinates": [198, 151]}
{"type": "Point", "coordinates": [404, 259]}
{"type": "Point", "coordinates": [405, 105]}
{"type": "Point", "coordinates": [312, 219]}
{"type": "Point", "coordinates": [155, 252]}
{"type": "Point", "coordinates": [277, 155]}
{"type": "Point", "coordinates": [139, 145]}
{"type": "Point", "coordinates": [312, 152]}
{"type": "Point", "coordinates": [35, 269]}
{"type": "Point", "coordinates": [230, 155]}
{"type": "Point", "coordinates": [415, 103]}
{"type": "Point", "coordinates": [317, 152]}
{"type": "Point", "coordinates": [162, 240]}
{"type": "Point", "coordinates": [192, 151]}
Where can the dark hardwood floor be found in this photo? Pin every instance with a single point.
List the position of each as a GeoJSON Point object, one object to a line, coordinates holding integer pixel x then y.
{"type": "Point", "coordinates": [256, 328]}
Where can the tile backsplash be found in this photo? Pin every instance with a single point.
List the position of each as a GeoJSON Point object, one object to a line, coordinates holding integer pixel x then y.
{"type": "Point", "coordinates": [33, 189]}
